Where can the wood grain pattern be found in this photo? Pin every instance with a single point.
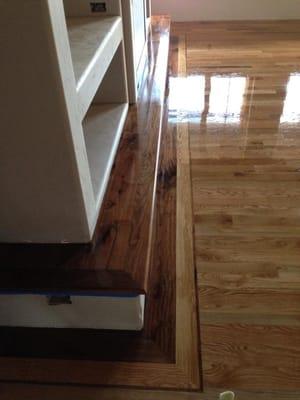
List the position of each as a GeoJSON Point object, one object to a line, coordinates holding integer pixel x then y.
{"type": "Point", "coordinates": [254, 357]}
{"type": "Point", "coordinates": [118, 257]}
{"type": "Point", "coordinates": [244, 155]}
{"type": "Point", "coordinates": [244, 188]}
{"type": "Point", "coordinates": [171, 327]}
{"type": "Point", "coordinates": [46, 392]}
{"type": "Point", "coordinates": [161, 300]}
{"type": "Point", "coordinates": [185, 267]}
{"type": "Point", "coordinates": [156, 343]}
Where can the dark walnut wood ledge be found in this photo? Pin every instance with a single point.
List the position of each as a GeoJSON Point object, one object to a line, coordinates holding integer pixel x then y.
{"type": "Point", "coordinates": [117, 260]}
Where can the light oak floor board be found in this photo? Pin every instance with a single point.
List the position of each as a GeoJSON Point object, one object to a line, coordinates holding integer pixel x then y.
{"type": "Point", "coordinates": [243, 117]}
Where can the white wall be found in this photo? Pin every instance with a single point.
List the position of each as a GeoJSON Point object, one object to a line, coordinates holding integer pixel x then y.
{"type": "Point", "coordinates": [193, 10]}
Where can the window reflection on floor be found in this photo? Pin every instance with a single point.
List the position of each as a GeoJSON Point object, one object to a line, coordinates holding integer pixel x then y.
{"type": "Point", "coordinates": [186, 98]}
{"type": "Point", "coordinates": [291, 110]}
{"type": "Point", "coordinates": [226, 99]}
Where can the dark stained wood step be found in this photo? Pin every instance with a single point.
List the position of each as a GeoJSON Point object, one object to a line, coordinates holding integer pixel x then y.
{"type": "Point", "coordinates": [81, 344]}
{"type": "Point", "coordinates": [117, 260]}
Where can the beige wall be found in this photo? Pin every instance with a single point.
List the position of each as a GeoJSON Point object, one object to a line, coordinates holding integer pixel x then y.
{"type": "Point", "coordinates": [191, 10]}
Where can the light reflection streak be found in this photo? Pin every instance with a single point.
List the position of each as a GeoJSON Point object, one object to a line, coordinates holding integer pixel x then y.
{"type": "Point", "coordinates": [226, 99]}
{"type": "Point", "coordinates": [186, 99]}
{"type": "Point", "coordinates": [291, 109]}
{"type": "Point", "coordinates": [222, 103]}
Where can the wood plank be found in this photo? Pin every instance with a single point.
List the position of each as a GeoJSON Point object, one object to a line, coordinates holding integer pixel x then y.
{"type": "Point", "coordinates": [254, 357]}
{"type": "Point", "coordinates": [46, 392]}
{"type": "Point", "coordinates": [185, 266]}
{"type": "Point", "coordinates": [247, 275]}
{"type": "Point", "coordinates": [250, 305]}
{"type": "Point", "coordinates": [252, 249]}
{"type": "Point", "coordinates": [161, 299]}
{"type": "Point", "coordinates": [84, 344]}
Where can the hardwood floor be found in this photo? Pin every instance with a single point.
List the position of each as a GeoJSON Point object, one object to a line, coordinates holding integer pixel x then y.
{"type": "Point", "coordinates": [243, 117]}
{"type": "Point", "coordinates": [227, 185]}
{"type": "Point", "coordinates": [165, 354]}
{"type": "Point", "coordinates": [38, 392]}
{"type": "Point", "coordinates": [81, 267]}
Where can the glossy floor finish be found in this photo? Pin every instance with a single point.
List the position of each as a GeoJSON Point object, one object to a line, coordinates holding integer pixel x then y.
{"type": "Point", "coordinates": [136, 231]}
{"type": "Point", "coordinates": [239, 93]}
{"type": "Point", "coordinates": [231, 138]}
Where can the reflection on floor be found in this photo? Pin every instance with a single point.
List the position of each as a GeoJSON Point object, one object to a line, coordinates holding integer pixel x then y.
{"type": "Point", "coordinates": [236, 95]}
{"type": "Point", "coordinates": [240, 98]}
